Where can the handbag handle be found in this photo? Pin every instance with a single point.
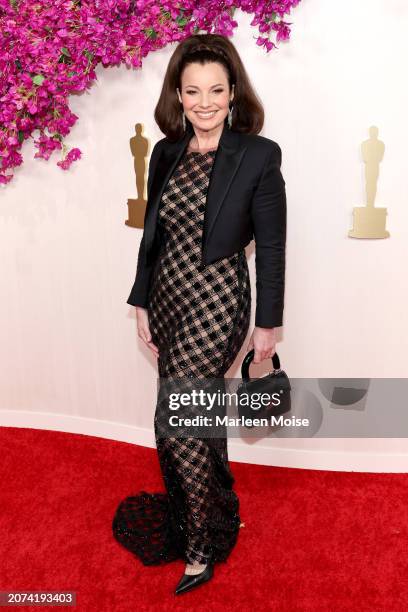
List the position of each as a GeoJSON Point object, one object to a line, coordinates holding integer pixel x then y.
{"type": "Point", "coordinates": [247, 362]}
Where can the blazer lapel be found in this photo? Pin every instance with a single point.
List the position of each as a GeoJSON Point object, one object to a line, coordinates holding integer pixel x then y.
{"type": "Point", "coordinates": [226, 163]}
{"type": "Point", "coordinates": [227, 159]}
{"type": "Point", "coordinates": [169, 157]}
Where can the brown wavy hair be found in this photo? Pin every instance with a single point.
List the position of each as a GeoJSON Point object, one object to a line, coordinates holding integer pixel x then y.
{"type": "Point", "coordinates": [248, 112]}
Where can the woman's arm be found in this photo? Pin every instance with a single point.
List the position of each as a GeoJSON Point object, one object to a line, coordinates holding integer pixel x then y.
{"type": "Point", "coordinates": [138, 295]}
{"type": "Point", "coordinates": [269, 222]}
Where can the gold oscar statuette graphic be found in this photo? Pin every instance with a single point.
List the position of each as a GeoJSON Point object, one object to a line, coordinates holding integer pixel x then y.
{"type": "Point", "coordinates": [369, 221]}
{"type": "Point", "coordinates": [137, 207]}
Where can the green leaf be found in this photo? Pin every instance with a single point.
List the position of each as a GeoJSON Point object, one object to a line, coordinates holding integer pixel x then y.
{"type": "Point", "coordinates": [20, 136]}
{"type": "Point", "coordinates": [38, 79]}
{"type": "Point", "coordinates": [151, 33]}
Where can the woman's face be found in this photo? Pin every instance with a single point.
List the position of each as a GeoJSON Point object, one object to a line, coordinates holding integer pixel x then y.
{"type": "Point", "coordinates": [205, 94]}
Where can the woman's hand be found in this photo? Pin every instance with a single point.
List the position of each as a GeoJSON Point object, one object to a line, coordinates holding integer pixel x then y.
{"type": "Point", "coordinates": [143, 329]}
{"type": "Point", "coordinates": [263, 340]}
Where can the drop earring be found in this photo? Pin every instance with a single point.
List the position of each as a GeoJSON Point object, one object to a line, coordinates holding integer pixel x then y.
{"type": "Point", "coordinates": [230, 117]}
{"type": "Point", "coordinates": [231, 108]}
{"type": "Point", "coordinates": [183, 115]}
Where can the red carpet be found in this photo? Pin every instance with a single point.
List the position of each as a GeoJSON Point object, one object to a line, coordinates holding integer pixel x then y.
{"type": "Point", "coordinates": [313, 540]}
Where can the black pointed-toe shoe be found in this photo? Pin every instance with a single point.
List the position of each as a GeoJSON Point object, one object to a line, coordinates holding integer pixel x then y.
{"type": "Point", "coordinates": [188, 582]}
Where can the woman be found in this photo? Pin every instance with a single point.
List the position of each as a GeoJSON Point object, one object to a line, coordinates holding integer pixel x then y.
{"type": "Point", "coordinates": [213, 185]}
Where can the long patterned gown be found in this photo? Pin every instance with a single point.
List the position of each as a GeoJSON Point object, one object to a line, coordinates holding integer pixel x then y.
{"type": "Point", "coordinates": [199, 318]}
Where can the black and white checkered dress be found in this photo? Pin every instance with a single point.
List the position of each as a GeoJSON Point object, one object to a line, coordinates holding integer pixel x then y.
{"type": "Point", "coordinates": [199, 319]}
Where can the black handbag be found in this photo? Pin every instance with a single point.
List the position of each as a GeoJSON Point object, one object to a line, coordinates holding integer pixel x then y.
{"type": "Point", "coordinates": [276, 384]}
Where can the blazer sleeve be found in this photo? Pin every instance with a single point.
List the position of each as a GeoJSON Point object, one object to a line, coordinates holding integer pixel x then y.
{"type": "Point", "coordinates": [138, 294]}
{"type": "Point", "coordinates": [269, 223]}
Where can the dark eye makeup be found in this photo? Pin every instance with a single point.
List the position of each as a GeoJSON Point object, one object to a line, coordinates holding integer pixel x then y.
{"type": "Point", "coordinates": [215, 90]}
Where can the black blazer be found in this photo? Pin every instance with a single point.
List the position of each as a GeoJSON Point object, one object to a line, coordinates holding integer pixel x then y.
{"type": "Point", "coordinates": [246, 199]}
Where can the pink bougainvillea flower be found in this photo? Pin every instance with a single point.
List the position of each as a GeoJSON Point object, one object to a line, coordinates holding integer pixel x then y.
{"type": "Point", "coordinates": [72, 156]}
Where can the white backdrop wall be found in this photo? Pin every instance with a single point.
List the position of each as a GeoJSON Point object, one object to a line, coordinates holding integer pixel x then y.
{"type": "Point", "coordinates": [70, 356]}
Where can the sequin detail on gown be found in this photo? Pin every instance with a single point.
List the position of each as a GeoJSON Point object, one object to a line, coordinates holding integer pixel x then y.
{"type": "Point", "coordinates": [199, 318]}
